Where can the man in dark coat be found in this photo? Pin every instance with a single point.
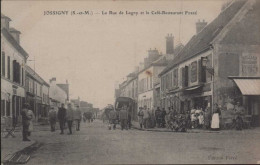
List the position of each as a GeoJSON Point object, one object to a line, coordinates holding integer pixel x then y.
{"type": "Point", "coordinates": [123, 116]}
{"type": "Point", "coordinates": [62, 118]}
{"type": "Point", "coordinates": [25, 121]}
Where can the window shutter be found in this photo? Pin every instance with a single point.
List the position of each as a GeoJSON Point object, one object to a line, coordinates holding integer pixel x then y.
{"type": "Point", "coordinates": [199, 70]}
{"type": "Point", "coordinates": [8, 67]}
{"type": "Point", "coordinates": [3, 63]}
{"type": "Point", "coordinates": [19, 73]}
{"type": "Point", "coordinates": [186, 76]}
{"type": "Point", "coordinates": [183, 76]}
{"type": "Point", "coordinates": [14, 70]}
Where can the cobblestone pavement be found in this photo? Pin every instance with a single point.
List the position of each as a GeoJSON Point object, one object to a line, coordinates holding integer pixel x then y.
{"type": "Point", "coordinates": [95, 144]}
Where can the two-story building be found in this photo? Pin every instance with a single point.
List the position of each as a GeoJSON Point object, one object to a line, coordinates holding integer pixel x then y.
{"type": "Point", "coordinates": [13, 59]}
{"type": "Point", "coordinates": [220, 64]}
{"type": "Point", "coordinates": [37, 93]}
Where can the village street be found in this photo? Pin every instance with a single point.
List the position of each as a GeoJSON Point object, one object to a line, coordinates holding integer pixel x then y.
{"type": "Point", "coordinates": [95, 144]}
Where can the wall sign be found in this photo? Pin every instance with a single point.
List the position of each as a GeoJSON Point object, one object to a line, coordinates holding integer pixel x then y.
{"type": "Point", "coordinates": [249, 65]}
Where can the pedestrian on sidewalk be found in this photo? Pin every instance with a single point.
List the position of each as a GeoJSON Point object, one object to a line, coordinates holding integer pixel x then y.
{"type": "Point", "coordinates": [123, 116]}
{"type": "Point", "coordinates": [215, 118]}
{"type": "Point", "coordinates": [70, 117]}
{"type": "Point", "coordinates": [77, 117]}
{"type": "Point", "coordinates": [25, 121]}
{"type": "Point", "coordinates": [140, 117]}
{"type": "Point", "coordinates": [62, 118]}
{"type": "Point", "coordinates": [31, 114]}
{"type": "Point", "coordinates": [52, 118]}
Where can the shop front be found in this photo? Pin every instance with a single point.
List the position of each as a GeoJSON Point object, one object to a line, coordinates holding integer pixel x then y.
{"type": "Point", "coordinates": [199, 97]}
{"type": "Point", "coordinates": [250, 91]}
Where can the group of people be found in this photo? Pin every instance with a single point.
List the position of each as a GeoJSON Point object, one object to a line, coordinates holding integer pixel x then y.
{"type": "Point", "coordinates": [63, 116]}
{"type": "Point", "coordinates": [123, 117]}
{"type": "Point", "coordinates": [145, 117]}
{"type": "Point", "coordinates": [195, 118]}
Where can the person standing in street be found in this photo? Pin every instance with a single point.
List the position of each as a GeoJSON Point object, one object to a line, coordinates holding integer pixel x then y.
{"type": "Point", "coordinates": [140, 117]}
{"type": "Point", "coordinates": [77, 117]}
{"type": "Point", "coordinates": [62, 118]}
{"type": "Point", "coordinates": [70, 118]}
{"type": "Point", "coordinates": [123, 116]}
{"type": "Point", "coordinates": [25, 121]}
{"type": "Point", "coordinates": [113, 118]}
{"type": "Point", "coordinates": [163, 117]}
{"type": "Point", "coordinates": [30, 113]}
{"type": "Point", "coordinates": [52, 118]}
{"type": "Point", "coordinates": [146, 117]}
{"type": "Point", "coordinates": [215, 118]}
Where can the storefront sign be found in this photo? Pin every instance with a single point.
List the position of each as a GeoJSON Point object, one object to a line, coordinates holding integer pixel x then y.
{"type": "Point", "coordinates": [249, 65]}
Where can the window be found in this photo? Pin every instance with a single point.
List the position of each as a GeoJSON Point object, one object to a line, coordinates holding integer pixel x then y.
{"type": "Point", "coordinates": [2, 107]}
{"type": "Point", "coordinates": [8, 67]}
{"type": "Point", "coordinates": [8, 108]}
{"type": "Point", "coordinates": [16, 72]}
{"type": "Point", "coordinates": [22, 77]}
{"type": "Point", "coordinates": [193, 72]}
{"type": "Point", "coordinates": [3, 63]}
{"type": "Point", "coordinates": [151, 82]}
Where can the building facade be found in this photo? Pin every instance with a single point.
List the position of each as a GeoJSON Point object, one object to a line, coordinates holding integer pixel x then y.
{"type": "Point", "coordinates": [13, 60]}
{"type": "Point", "coordinates": [214, 68]}
{"type": "Point", "coordinates": [37, 93]}
{"type": "Point", "coordinates": [56, 94]}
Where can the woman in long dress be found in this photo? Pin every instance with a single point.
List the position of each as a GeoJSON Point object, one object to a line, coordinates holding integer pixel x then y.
{"type": "Point", "coordinates": [215, 118]}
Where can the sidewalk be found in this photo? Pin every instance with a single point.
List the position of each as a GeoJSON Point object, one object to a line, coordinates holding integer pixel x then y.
{"type": "Point", "coordinates": [136, 125]}
{"type": "Point", "coordinates": [10, 145]}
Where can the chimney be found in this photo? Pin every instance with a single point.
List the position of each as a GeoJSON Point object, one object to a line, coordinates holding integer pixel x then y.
{"type": "Point", "coordinates": [16, 34]}
{"type": "Point", "coordinates": [200, 26]}
{"type": "Point", "coordinates": [169, 44]}
{"type": "Point", "coordinates": [53, 79]}
{"type": "Point", "coordinates": [5, 21]}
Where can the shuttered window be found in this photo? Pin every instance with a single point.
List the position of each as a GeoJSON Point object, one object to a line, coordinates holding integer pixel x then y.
{"type": "Point", "coordinates": [186, 82]}
{"type": "Point", "coordinates": [8, 67]}
{"type": "Point", "coordinates": [3, 63]}
{"type": "Point", "coordinates": [3, 108]}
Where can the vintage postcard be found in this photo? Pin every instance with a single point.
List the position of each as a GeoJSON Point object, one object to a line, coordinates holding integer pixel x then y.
{"type": "Point", "coordinates": [130, 82]}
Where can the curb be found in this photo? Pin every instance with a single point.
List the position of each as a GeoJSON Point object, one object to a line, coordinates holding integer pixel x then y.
{"type": "Point", "coordinates": [156, 130]}
{"type": "Point", "coordinates": [7, 158]}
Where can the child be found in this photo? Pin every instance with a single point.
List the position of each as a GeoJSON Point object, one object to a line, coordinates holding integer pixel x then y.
{"type": "Point", "coordinates": [201, 119]}
{"type": "Point", "coordinates": [193, 119]}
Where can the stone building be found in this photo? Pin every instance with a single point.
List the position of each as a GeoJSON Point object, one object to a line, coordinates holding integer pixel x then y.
{"type": "Point", "coordinates": [218, 64]}
{"type": "Point", "coordinates": [37, 93]}
{"type": "Point", "coordinates": [13, 60]}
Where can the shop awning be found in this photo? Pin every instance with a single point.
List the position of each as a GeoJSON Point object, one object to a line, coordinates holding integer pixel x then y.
{"type": "Point", "coordinates": [248, 86]}
{"type": "Point", "coordinates": [192, 88]}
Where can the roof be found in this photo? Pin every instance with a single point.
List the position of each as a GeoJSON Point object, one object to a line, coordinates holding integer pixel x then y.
{"type": "Point", "coordinates": [4, 16]}
{"type": "Point", "coordinates": [14, 30]}
{"type": "Point", "coordinates": [13, 42]}
{"type": "Point", "coordinates": [35, 76]}
{"type": "Point", "coordinates": [202, 41]}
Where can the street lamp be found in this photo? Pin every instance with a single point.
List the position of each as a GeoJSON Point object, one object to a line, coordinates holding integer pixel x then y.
{"type": "Point", "coordinates": [204, 61]}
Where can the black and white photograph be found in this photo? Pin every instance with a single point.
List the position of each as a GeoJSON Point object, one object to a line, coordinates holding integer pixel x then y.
{"type": "Point", "coordinates": [130, 82]}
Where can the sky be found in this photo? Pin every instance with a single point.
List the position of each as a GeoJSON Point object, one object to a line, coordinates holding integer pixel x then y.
{"type": "Point", "coordinates": [94, 52]}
